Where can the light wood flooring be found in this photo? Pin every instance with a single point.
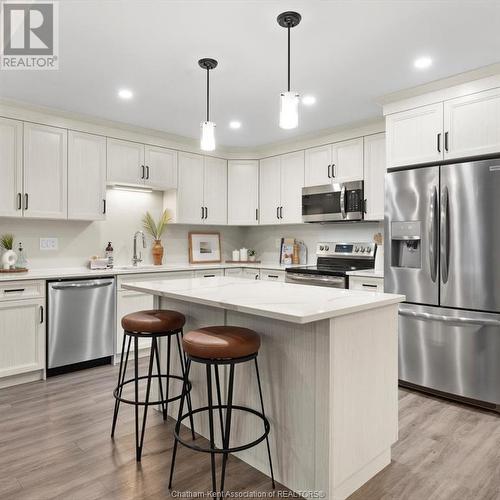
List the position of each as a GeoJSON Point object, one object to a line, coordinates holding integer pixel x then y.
{"type": "Point", "coordinates": [55, 444]}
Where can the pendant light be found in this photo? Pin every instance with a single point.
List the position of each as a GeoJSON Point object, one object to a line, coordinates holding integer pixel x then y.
{"type": "Point", "coordinates": [207, 142]}
{"type": "Point", "coordinates": [289, 100]}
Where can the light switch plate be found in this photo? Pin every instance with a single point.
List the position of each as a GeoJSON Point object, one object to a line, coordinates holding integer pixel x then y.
{"type": "Point", "coordinates": [49, 243]}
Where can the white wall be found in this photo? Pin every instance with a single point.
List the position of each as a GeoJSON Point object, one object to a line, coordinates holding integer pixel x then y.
{"type": "Point", "coordinates": [80, 240]}
{"type": "Point", "coordinates": [264, 238]}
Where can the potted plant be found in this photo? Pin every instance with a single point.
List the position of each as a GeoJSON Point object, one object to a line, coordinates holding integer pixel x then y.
{"type": "Point", "coordinates": [9, 257]}
{"type": "Point", "coordinates": [252, 255]}
{"type": "Point", "coordinates": [155, 230]}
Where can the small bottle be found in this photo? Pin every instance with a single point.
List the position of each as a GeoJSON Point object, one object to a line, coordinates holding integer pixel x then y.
{"type": "Point", "coordinates": [109, 255]}
{"type": "Point", "coordinates": [22, 262]}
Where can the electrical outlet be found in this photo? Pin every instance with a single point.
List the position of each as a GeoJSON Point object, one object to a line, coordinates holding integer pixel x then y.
{"type": "Point", "coordinates": [49, 244]}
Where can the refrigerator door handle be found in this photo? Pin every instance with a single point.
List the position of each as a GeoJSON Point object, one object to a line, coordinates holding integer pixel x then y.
{"type": "Point", "coordinates": [445, 236]}
{"type": "Point", "coordinates": [433, 225]}
{"type": "Point", "coordinates": [458, 320]}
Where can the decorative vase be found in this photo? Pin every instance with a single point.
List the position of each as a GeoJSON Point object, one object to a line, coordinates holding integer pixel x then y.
{"type": "Point", "coordinates": [157, 253]}
{"type": "Point", "coordinates": [9, 258]}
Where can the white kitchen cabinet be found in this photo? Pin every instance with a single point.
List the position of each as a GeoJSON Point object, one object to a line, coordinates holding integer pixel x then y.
{"type": "Point", "coordinates": [22, 336]}
{"type": "Point", "coordinates": [347, 160]}
{"type": "Point", "coordinates": [11, 167]}
{"type": "Point", "coordinates": [271, 275]}
{"type": "Point", "coordinates": [374, 173]}
{"type": "Point", "coordinates": [415, 136]}
{"type": "Point", "coordinates": [86, 176]}
{"type": "Point", "coordinates": [318, 163]}
{"type": "Point", "coordinates": [243, 192]}
{"type": "Point", "coordinates": [215, 190]}
{"type": "Point", "coordinates": [161, 167]}
{"type": "Point", "coordinates": [234, 272]}
{"type": "Point", "coordinates": [472, 125]}
{"type": "Point", "coordinates": [250, 273]}
{"type": "Point", "coordinates": [45, 172]}
{"type": "Point", "coordinates": [281, 181]}
{"type": "Point", "coordinates": [365, 283]}
{"type": "Point", "coordinates": [125, 162]}
{"type": "Point", "coordinates": [209, 273]}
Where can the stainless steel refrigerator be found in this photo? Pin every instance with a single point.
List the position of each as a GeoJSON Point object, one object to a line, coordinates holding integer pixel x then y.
{"type": "Point", "coordinates": [442, 233]}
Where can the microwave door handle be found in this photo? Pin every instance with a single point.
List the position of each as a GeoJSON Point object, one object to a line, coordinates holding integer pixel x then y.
{"type": "Point", "coordinates": [445, 235]}
{"type": "Point", "coordinates": [433, 234]}
{"type": "Point", "coordinates": [342, 202]}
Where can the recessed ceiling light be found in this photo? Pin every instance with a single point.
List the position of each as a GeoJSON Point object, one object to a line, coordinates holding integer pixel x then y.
{"type": "Point", "coordinates": [308, 100]}
{"type": "Point", "coordinates": [423, 62]}
{"type": "Point", "coordinates": [235, 124]}
{"type": "Point", "coordinates": [125, 94]}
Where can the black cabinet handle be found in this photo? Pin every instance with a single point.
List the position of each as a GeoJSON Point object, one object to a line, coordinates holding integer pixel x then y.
{"type": "Point", "coordinates": [104, 205]}
{"type": "Point", "coordinates": [329, 173]}
{"type": "Point", "coordinates": [333, 170]}
{"type": "Point", "coordinates": [26, 199]}
{"type": "Point", "coordinates": [281, 212]}
{"type": "Point", "coordinates": [202, 213]}
{"type": "Point", "coordinates": [14, 290]}
{"type": "Point", "coordinates": [19, 201]}
{"type": "Point", "coordinates": [439, 142]}
{"type": "Point", "coordinates": [256, 214]}
{"type": "Point", "coordinates": [446, 141]}
{"type": "Point", "coordinates": [147, 172]}
{"type": "Point", "coordinates": [206, 212]}
{"type": "Point", "coordinates": [143, 172]}
{"type": "Point", "coordinates": [41, 314]}
{"type": "Point", "coordinates": [273, 276]}
{"type": "Point", "coordinates": [277, 212]}
{"type": "Point", "coordinates": [366, 285]}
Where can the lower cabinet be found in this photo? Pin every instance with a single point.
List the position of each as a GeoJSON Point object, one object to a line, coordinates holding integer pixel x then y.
{"type": "Point", "coordinates": [251, 274]}
{"type": "Point", "coordinates": [270, 275]}
{"type": "Point", "coordinates": [234, 272]}
{"type": "Point", "coordinates": [365, 283]}
{"type": "Point", "coordinates": [22, 335]}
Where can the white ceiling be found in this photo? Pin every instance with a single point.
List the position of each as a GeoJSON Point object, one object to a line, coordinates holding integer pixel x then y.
{"type": "Point", "coordinates": [346, 53]}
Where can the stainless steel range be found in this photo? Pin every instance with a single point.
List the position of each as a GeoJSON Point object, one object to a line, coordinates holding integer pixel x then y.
{"type": "Point", "coordinates": [334, 261]}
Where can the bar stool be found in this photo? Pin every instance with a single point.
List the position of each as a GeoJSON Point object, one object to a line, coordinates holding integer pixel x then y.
{"type": "Point", "coordinates": [152, 324]}
{"type": "Point", "coordinates": [215, 346]}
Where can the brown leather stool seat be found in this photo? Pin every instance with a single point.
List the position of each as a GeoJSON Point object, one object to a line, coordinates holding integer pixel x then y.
{"type": "Point", "coordinates": [153, 321]}
{"type": "Point", "coordinates": [221, 342]}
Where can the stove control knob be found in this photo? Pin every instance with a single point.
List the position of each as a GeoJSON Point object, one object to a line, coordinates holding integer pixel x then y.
{"type": "Point", "coordinates": [327, 248]}
{"type": "Point", "coordinates": [368, 249]}
{"type": "Point", "coordinates": [321, 247]}
{"type": "Point", "coordinates": [356, 249]}
{"type": "Point", "coordinates": [362, 249]}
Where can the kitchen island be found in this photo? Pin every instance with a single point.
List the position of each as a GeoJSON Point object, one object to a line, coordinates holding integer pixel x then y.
{"type": "Point", "coordinates": [328, 365]}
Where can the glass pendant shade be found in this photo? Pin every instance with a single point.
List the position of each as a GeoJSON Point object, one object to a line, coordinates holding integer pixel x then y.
{"type": "Point", "coordinates": [289, 110]}
{"type": "Point", "coordinates": [207, 136]}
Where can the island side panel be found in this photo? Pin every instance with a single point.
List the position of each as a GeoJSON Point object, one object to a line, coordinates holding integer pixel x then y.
{"type": "Point", "coordinates": [363, 397]}
{"type": "Point", "coordinates": [294, 369]}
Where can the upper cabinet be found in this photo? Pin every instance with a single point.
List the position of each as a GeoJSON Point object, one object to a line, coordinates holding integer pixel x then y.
{"type": "Point", "coordinates": [86, 176]}
{"type": "Point", "coordinates": [11, 168]}
{"type": "Point", "coordinates": [374, 168]}
{"type": "Point", "coordinates": [135, 164]}
{"type": "Point", "coordinates": [281, 182]}
{"type": "Point", "coordinates": [201, 196]}
{"type": "Point", "coordinates": [45, 172]}
{"type": "Point", "coordinates": [455, 128]}
{"type": "Point", "coordinates": [338, 162]}
{"type": "Point", "coordinates": [243, 192]}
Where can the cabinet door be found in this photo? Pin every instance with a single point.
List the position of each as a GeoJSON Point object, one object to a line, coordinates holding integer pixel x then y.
{"type": "Point", "coordinates": [472, 125]}
{"type": "Point", "coordinates": [243, 192]}
{"type": "Point", "coordinates": [125, 162]}
{"type": "Point", "coordinates": [270, 191]}
{"type": "Point", "coordinates": [415, 136]}
{"type": "Point", "coordinates": [215, 191]}
{"type": "Point", "coordinates": [374, 172]}
{"type": "Point", "coordinates": [190, 189]}
{"type": "Point", "coordinates": [161, 167]}
{"type": "Point", "coordinates": [318, 163]}
{"type": "Point", "coordinates": [45, 171]}
{"type": "Point", "coordinates": [251, 274]}
{"type": "Point", "coordinates": [347, 160]}
{"type": "Point", "coordinates": [22, 336]}
{"type": "Point", "coordinates": [11, 167]}
{"type": "Point", "coordinates": [292, 181]}
{"type": "Point", "coordinates": [86, 176]}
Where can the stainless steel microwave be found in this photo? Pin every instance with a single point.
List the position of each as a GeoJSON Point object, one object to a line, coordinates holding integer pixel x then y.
{"type": "Point", "coordinates": [333, 202]}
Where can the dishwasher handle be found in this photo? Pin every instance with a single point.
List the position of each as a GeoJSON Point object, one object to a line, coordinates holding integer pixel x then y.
{"type": "Point", "coordinates": [72, 286]}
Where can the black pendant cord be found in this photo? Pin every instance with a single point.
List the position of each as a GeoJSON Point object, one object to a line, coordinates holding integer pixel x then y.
{"type": "Point", "coordinates": [208, 94]}
{"type": "Point", "coordinates": [288, 58]}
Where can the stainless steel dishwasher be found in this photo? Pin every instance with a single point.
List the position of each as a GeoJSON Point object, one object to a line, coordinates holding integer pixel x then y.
{"type": "Point", "coordinates": [81, 324]}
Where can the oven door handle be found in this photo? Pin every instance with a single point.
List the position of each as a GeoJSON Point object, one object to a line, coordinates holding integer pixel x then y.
{"type": "Point", "coordinates": [312, 278]}
{"type": "Point", "coordinates": [342, 202]}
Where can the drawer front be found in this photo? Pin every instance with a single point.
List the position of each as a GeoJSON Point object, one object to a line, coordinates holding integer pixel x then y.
{"type": "Point", "coordinates": [16, 290]}
{"type": "Point", "coordinates": [367, 284]}
{"type": "Point", "coordinates": [132, 278]}
{"type": "Point", "coordinates": [269, 275]}
{"type": "Point", "coordinates": [235, 272]}
{"type": "Point", "coordinates": [211, 273]}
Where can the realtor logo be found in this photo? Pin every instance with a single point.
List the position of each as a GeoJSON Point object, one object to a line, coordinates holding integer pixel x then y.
{"type": "Point", "coordinates": [29, 35]}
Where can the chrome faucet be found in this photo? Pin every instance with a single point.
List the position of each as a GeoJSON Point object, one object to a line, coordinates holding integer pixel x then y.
{"type": "Point", "coordinates": [135, 259]}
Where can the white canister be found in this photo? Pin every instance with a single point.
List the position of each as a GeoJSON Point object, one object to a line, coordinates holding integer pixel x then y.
{"type": "Point", "coordinates": [379, 258]}
{"type": "Point", "coordinates": [236, 255]}
{"type": "Point", "coordinates": [9, 258]}
{"type": "Point", "coordinates": [244, 254]}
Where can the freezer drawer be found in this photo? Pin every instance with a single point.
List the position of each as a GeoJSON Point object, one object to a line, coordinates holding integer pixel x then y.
{"type": "Point", "coordinates": [451, 351]}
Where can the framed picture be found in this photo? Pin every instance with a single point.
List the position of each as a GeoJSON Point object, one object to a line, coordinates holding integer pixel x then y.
{"type": "Point", "coordinates": [204, 248]}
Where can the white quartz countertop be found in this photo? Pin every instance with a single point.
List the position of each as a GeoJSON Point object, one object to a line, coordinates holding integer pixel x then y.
{"type": "Point", "coordinates": [367, 273]}
{"type": "Point", "coordinates": [85, 272]}
{"type": "Point", "coordinates": [282, 301]}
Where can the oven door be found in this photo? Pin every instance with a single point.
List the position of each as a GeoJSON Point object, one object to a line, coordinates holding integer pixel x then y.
{"type": "Point", "coordinates": [318, 280]}
{"type": "Point", "coordinates": [333, 202]}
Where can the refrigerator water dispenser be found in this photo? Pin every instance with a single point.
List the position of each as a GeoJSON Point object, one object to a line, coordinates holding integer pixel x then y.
{"type": "Point", "coordinates": [406, 244]}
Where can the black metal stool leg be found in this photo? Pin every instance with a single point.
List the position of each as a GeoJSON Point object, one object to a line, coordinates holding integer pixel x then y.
{"type": "Point", "coordinates": [136, 392]}
{"type": "Point", "coordinates": [121, 379]}
{"type": "Point", "coordinates": [219, 399]}
{"type": "Point", "coordinates": [178, 423]}
{"type": "Point", "coordinates": [154, 345]}
{"type": "Point", "coordinates": [225, 444]}
{"type": "Point", "coordinates": [169, 348]}
{"type": "Point", "coordinates": [182, 359]}
{"type": "Point", "coordinates": [263, 413]}
{"type": "Point", "coordinates": [146, 403]}
{"type": "Point", "coordinates": [211, 425]}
